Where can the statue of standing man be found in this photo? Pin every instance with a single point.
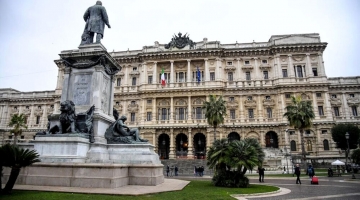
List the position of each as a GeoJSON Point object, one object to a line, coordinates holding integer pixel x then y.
{"type": "Point", "coordinates": [95, 18]}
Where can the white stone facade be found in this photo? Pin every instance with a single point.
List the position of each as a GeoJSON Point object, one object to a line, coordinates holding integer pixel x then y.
{"type": "Point", "coordinates": [256, 79]}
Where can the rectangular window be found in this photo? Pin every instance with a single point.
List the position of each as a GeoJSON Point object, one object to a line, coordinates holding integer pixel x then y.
{"type": "Point", "coordinates": [118, 82]}
{"type": "Point", "coordinates": [150, 79]}
{"type": "Point", "coordinates": [287, 96]}
{"type": "Point", "coordinates": [181, 77]}
{"type": "Point", "coordinates": [247, 62]}
{"type": "Point", "coordinates": [333, 96]}
{"type": "Point", "coordinates": [264, 62]}
{"type": "Point", "coordinates": [266, 75]}
{"type": "Point", "coordinates": [232, 114]}
{"type": "Point", "coordinates": [284, 72]}
{"type": "Point", "coordinates": [336, 111]}
{"type": "Point", "coordinates": [212, 76]}
{"type": "Point", "coordinates": [299, 71]}
{"type": "Point", "coordinates": [134, 81]}
{"type": "Point", "coordinates": [132, 117]}
{"type": "Point", "coordinates": [37, 119]}
{"type": "Point", "coordinates": [198, 113]}
{"type": "Point", "coordinates": [149, 101]}
{"type": "Point", "coordinates": [148, 116]}
{"type": "Point", "coordinates": [251, 113]}
{"type": "Point", "coordinates": [249, 98]}
{"type": "Point", "coordinates": [354, 111]}
{"type": "Point", "coordinates": [163, 114]}
{"type": "Point", "coordinates": [315, 73]}
{"type": "Point", "coordinates": [181, 113]}
{"type": "Point", "coordinates": [231, 99]}
{"type": "Point", "coordinates": [269, 112]}
{"type": "Point", "coordinates": [351, 95]}
{"type": "Point", "coordinates": [318, 95]}
{"type": "Point", "coordinates": [323, 131]}
{"type": "Point", "coordinates": [248, 76]}
{"type": "Point", "coordinates": [292, 132]}
{"type": "Point", "coordinates": [133, 102]}
{"type": "Point", "coordinates": [267, 97]}
{"type": "Point", "coordinates": [230, 76]}
{"type": "Point", "coordinates": [229, 63]}
{"type": "Point", "coordinates": [134, 68]}
{"type": "Point", "coordinates": [321, 110]}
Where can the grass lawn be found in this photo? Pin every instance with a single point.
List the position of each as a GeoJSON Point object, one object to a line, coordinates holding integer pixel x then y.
{"type": "Point", "coordinates": [195, 190]}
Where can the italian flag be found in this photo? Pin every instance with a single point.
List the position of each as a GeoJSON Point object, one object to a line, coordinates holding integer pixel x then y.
{"type": "Point", "coordinates": [162, 77]}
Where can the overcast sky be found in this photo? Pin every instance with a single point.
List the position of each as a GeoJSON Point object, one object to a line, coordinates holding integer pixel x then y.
{"type": "Point", "coordinates": [33, 32]}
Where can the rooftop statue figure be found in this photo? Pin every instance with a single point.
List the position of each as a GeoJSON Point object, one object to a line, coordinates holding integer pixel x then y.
{"type": "Point", "coordinates": [95, 18]}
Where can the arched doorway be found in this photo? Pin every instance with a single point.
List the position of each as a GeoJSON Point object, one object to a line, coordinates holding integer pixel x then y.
{"type": "Point", "coordinates": [199, 146]}
{"type": "Point", "coordinates": [181, 145]}
{"type": "Point", "coordinates": [164, 146]}
{"type": "Point", "coordinates": [233, 136]}
{"type": "Point", "coordinates": [271, 139]}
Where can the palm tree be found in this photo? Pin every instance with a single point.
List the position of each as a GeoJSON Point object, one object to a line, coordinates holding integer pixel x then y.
{"type": "Point", "coordinates": [216, 153]}
{"type": "Point", "coordinates": [18, 122]}
{"type": "Point", "coordinates": [300, 115]}
{"type": "Point", "coordinates": [215, 111]}
{"type": "Point", "coordinates": [15, 157]}
{"type": "Point", "coordinates": [260, 153]}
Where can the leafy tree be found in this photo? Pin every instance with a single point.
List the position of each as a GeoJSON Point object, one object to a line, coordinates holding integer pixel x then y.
{"type": "Point", "coordinates": [15, 157]}
{"type": "Point", "coordinates": [215, 111]}
{"type": "Point", "coordinates": [355, 156]}
{"type": "Point", "coordinates": [231, 159]}
{"type": "Point", "coordinates": [338, 135]}
{"type": "Point", "coordinates": [18, 122]}
{"type": "Point", "coordinates": [300, 115]}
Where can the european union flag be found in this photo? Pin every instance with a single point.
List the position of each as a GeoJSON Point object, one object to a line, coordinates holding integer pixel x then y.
{"type": "Point", "coordinates": [198, 74]}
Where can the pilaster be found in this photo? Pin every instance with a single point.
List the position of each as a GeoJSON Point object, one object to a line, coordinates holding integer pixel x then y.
{"type": "Point", "coordinates": [291, 72]}
{"type": "Point", "coordinates": [207, 72]}
{"type": "Point", "coordinates": [155, 81]}
{"type": "Point", "coordinates": [309, 72]}
{"type": "Point", "coordinates": [190, 144]}
{"type": "Point", "coordinates": [172, 154]}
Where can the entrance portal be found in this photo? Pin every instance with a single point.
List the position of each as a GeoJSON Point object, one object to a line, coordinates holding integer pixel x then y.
{"type": "Point", "coordinates": [271, 139]}
{"type": "Point", "coordinates": [233, 136]}
{"type": "Point", "coordinates": [181, 145]}
{"type": "Point", "coordinates": [164, 146]}
{"type": "Point", "coordinates": [199, 146]}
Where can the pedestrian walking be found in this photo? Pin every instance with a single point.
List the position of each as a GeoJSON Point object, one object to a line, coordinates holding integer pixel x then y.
{"type": "Point", "coordinates": [201, 171]}
{"type": "Point", "coordinates": [176, 170]}
{"type": "Point", "coordinates": [167, 170]}
{"type": "Point", "coordinates": [297, 173]}
{"type": "Point", "coordinates": [310, 171]}
{"type": "Point", "coordinates": [261, 171]}
{"type": "Point", "coordinates": [172, 171]}
{"type": "Point", "coordinates": [195, 171]}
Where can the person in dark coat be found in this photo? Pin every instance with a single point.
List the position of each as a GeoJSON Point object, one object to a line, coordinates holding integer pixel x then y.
{"type": "Point", "coordinates": [96, 18]}
{"type": "Point", "coordinates": [311, 171]}
{"type": "Point", "coordinates": [297, 173]}
{"type": "Point", "coordinates": [261, 171]}
{"type": "Point", "coordinates": [176, 170]}
{"type": "Point", "coordinates": [167, 170]}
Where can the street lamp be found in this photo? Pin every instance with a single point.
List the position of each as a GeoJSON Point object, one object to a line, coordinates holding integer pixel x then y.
{"type": "Point", "coordinates": [271, 142]}
{"type": "Point", "coordinates": [347, 136]}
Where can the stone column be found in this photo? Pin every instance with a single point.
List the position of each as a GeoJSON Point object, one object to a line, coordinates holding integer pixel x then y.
{"type": "Point", "coordinates": [32, 120]}
{"type": "Point", "coordinates": [171, 109]}
{"type": "Point", "coordinates": [291, 72]}
{"type": "Point", "coordinates": [189, 109]}
{"type": "Point", "coordinates": [155, 81]}
{"type": "Point", "coordinates": [172, 147]}
{"type": "Point", "coordinates": [316, 110]}
{"type": "Point", "coordinates": [154, 110]}
{"type": "Point", "coordinates": [207, 71]}
{"type": "Point", "coordinates": [321, 65]}
{"type": "Point", "coordinates": [327, 104]}
{"type": "Point", "coordinates": [144, 68]}
{"type": "Point", "coordinates": [190, 145]}
{"type": "Point", "coordinates": [260, 108]}
{"type": "Point", "coordinates": [208, 141]}
{"type": "Point", "coordinates": [44, 117]}
{"type": "Point", "coordinates": [143, 111]}
{"type": "Point", "coordinates": [279, 68]}
{"type": "Point", "coordinates": [172, 73]}
{"type": "Point", "coordinates": [262, 139]}
{"type": "Point", "coordinates": [217, 70]}
{"type": "Point", "coordinates": [238, 70]}
{"type": "Point", "coordinates": [241, 109]}
{"type": "Point", "coordinates": [189, 74]}
{"type": "Point", "coordinates": [257, 73]}
{"type": "Point", "coordinates": [308, 66]}
{"type": "Point", "coordinates": [346, 111]}
{"type": "Point", "coordinates": [126, 75]}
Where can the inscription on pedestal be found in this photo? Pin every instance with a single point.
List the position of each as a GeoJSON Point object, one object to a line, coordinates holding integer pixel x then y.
{"type": "Point", "coordinates": [82, 86]}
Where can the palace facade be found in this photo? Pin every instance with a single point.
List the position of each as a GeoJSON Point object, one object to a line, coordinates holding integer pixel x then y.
{"type": "Point", "coordinates": [256, 80]}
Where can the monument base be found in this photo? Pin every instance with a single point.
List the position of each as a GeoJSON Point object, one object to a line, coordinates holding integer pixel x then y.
{"type": "Point", "coordinates": [88, 175]}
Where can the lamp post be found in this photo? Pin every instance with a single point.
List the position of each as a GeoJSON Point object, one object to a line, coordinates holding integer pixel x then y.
{"type": "Point", "coordinates": [347, 136]}
{"type": "Point", "coordinates": [271, 142]}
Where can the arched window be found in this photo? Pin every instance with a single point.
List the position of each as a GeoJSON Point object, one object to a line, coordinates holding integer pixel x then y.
{"type": "Point", "coordinates": [326, 145]}
{"type": "Point", "coordinates": [293, 145]}
{"type": "Point", "coordinates": [309, 145]}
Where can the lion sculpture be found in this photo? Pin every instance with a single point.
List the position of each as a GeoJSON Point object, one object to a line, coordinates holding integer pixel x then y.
{"type": "Point", "coordinates": [67, 117]}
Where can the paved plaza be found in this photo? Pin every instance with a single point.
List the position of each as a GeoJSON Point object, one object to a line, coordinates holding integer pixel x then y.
{"type": "Point", "coordinates": [343, 188]}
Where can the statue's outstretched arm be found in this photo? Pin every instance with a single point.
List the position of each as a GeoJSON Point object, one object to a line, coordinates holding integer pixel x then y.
{"type": "Point", "coordinates": [105, 17]}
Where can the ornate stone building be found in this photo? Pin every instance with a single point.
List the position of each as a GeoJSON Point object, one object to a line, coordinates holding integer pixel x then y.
{"type": "Point", "coordinates": [256, 79]}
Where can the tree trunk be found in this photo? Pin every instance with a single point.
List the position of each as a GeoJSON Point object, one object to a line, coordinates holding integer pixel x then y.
{"type": "Point", "coordinates": [1, 169]}
{"type": "Point", "coordinates": [12, 179]}
{"type": "Point", "coordinates": [303, 152]}
{"type": "Point", "coordinates": [214, 133]}
{"type": "Point", "coordinates": [15, 139]}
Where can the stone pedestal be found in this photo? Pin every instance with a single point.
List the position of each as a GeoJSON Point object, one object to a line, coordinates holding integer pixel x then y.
{"type": "Point", "coordinates": [62, 148]}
